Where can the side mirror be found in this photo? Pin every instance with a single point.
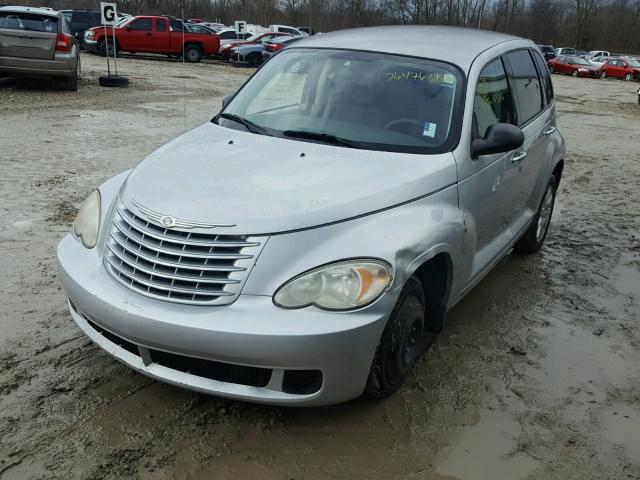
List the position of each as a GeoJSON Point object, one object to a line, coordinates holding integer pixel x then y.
{"type": "Point", "coordinates": [226, 99]}
{"type": "Point", "coordinates": [500, 138]}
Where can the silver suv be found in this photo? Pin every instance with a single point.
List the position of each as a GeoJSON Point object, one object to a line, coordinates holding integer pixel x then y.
{"type": "Point", "coordinates": [305, 245]}
{"type": "Point", "coordinates": [37, 42]}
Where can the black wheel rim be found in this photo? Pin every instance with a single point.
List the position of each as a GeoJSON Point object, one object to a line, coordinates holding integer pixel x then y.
{"type": "Point", "coordinates": [412, 342]}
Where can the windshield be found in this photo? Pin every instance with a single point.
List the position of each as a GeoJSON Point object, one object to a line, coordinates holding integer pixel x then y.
{"type": "Point", "coordinates": [367, 100]}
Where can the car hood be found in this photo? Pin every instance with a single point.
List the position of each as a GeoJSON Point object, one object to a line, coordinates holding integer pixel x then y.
{"type": "Point", "coordinates": [261, 184]}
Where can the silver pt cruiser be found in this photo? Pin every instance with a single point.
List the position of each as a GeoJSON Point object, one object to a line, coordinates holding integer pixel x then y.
{"type": "Point", "coordinates": [304, 246]}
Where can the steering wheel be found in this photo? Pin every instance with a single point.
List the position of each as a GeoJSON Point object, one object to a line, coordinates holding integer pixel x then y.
{"type": "Point", "coordinates": [405, 121]}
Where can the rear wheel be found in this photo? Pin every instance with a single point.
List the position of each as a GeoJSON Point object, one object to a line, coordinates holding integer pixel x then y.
{"type": "Point", "coordinates": [71, 83]}
{"type": "Point", "coordinates": [533, 238]}
{"type": "Point", "coordinates": [192, 53]}
{"type": "Point", "coordinates": [628, 77]}
{"type": "Point", "coordinates": [402, 342]}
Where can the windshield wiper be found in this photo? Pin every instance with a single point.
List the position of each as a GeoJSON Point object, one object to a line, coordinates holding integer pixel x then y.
{"type": "Point", "coordinates": [324, 138]}
{"type": "Point", "coordinates": [248, 124]}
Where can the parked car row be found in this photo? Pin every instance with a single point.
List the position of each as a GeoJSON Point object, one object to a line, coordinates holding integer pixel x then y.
{"type": "Point", "coordinates": [255, 54]}
{"type": "Point", "coordinates": [627, 68]}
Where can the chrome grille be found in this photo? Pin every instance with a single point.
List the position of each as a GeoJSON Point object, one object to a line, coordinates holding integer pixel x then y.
{"type": "Point", "coordinates": [178, 266]}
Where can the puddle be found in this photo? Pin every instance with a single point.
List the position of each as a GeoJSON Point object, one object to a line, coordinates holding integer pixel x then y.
{"type": "Point", "coordinates": [488, 451]}
{"type": "Point", "coordinates": [577, 365]}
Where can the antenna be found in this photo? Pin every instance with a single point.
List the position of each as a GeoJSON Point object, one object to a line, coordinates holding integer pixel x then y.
{"type": "Point", "coordinates": [184, 77]}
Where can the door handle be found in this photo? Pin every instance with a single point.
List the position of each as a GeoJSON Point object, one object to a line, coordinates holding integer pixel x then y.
{"type": "Point", "coordinates": [518, 157]}
{"type": "Point", "coordinates": [549, 130]}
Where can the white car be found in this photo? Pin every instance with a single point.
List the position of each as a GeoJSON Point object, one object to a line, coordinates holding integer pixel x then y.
{"type": "Point", "coordinates": [565, 51]}
{"type": "Point", "coordinates": [296, 32]}
{"type": "Point", "coordinates": [599, 53]}
{"type": "Point", "coordinates": [598, 61]}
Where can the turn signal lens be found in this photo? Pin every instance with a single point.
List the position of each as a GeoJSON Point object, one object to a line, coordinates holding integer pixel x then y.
{"type": "Point", "coordinates": [339, 286]}
{"type": "Point", "coordinates": [87, 222]}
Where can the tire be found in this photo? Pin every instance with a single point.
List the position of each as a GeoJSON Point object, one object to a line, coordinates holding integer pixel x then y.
{"type": "Point", "coordinates": [254, 59]}
{"type": "Point", "coordinates": [574, 73]}
{"type": "Point", "coordinates": [603, 75]}
{"type": "Point", "coordinates": [121, 82]}
{"type": "Point", "coordinates": [532, 240]}
{"type": "Point", "coordinates": [192, 53]}
{"type": "Point", "coordinates": [551, 69]}
{"type": "Point", "coordinates": [401, 344]}
{"type": "Point", "coordinates": [71, 83]}
{"type": "Point", "coordinates": [106, 46]}
{"type": "Point", "coordinates": [628, 77]}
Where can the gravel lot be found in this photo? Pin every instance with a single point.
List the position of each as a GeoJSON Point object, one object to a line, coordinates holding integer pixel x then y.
{"type": "Point", "coordinates": [535, 377]}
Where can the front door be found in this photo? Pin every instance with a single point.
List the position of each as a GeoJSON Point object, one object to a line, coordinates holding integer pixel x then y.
{"type": "Point", "coordinates": [484, 190]}
{"type": "Point", "coordinates": [137, 35]}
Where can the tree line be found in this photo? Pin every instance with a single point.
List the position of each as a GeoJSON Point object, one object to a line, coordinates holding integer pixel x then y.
{"type": "Point", "coordinates": [584, 24]}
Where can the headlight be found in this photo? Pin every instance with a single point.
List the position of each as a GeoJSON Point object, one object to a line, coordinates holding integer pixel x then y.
{"type": "Point", "coordinates": [339, 286]}
{"type": "Point", "coordinates": [87, 222]}
{"type": "Point", "coordinates": [90, 34]}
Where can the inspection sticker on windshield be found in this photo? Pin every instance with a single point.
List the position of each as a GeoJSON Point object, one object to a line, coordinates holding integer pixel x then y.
{"type": "Point", "coordinates": [429, 130]}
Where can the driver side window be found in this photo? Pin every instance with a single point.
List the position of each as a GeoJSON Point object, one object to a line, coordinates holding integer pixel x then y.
{"type": "Point", "coordinates": [493, 102]}
{"type": "Point", "coordinates": [141, 25]}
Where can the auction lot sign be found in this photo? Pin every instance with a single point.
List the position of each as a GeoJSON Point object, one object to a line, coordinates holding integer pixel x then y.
{"type": "Point", "coordinates": [108, 13]}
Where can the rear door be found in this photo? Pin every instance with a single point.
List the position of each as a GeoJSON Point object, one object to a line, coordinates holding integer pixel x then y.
{"type": "Point", "coordinates": [161, 36]}
{"type": "Point", "coordinates": [28, 35]}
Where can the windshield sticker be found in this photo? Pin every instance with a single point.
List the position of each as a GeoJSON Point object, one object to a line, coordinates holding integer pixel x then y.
{"type": "Point", "coordinates": [421, 76]}
{"type": "Point", "coordinates": [429, 130]}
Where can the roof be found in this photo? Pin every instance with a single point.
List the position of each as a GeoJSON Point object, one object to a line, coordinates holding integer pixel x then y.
{"type": "Point", "coordinates": [453, 44]}
{"type": "Point", "coordinates": [39, 11]}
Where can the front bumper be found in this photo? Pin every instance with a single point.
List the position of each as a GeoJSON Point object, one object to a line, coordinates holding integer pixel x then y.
{"type": "Point", "coordinates": [90, 45]}
{"type": "Point", "coordinates": [251, 332]}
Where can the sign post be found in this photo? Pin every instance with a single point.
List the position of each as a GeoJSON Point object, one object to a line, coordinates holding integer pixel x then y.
{"type": "Point", "coordinates": [109, 16]}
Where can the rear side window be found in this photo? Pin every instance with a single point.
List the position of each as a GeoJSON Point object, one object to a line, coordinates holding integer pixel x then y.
{"type": "Point", "coordinates": [28, 22]}
{"type": "Point", "coordinates": [546, 78]}
{"type": "Point", "coordinates": [176, 25]}
{"type": "Point", "coordinates": [525, 84]}
{"type": "Point", "coordinates": [161, 26]}
{"type": "Point", "coordinates": [141, 24]}
{"type": "Point", "coordinates": [493, 102]}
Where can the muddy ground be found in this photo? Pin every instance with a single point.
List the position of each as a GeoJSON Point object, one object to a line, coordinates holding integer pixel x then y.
{"type": "Point", "coordinates": [536, 376]}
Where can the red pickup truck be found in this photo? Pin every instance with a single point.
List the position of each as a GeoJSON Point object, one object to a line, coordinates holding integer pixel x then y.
{"type": "Point", "coordinates": [149, 34]}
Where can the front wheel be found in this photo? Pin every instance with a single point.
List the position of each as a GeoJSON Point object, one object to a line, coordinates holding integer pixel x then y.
{"type": "Point", "coordinates": [193, 53]}
{"type": "Point", "coordinates": [254, 59]}
{"type": "Point", "coordinates": [105, 47]}
{"type": "Point", "coordinates": [628, 77]}
{"type": "Point", "coordinates": [603, 74]}
{"type": "Point", "coordinates": [402, 342]}
{"type": "Point", "coordinates": [533, 238]}
{"type": "Point", "coordinates": [574, 73]}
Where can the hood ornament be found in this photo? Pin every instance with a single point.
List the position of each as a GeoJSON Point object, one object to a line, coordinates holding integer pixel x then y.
{"type": "Point", "coordinates": [167, 221]}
